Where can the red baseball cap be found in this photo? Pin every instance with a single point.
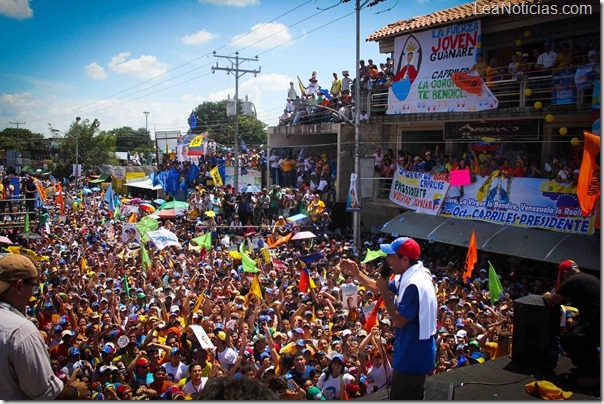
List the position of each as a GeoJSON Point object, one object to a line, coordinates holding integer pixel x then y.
{"type": "Point", "coordinates": [567, 266]}
{"type": "Point", "coordinates": [403, 246]}
{"type": "Point", "coordinates": [141, 362]}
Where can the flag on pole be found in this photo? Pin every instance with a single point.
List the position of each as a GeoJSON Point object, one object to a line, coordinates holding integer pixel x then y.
{"type": "Point", "coordinates": [588, 185]}
{"type": "Point", "coordinates": [255, 288]}
{"type": "Point", "coordinates": [372, 255]}
{"type": "Point", "coordinates": [495, 288]}
{"type": "Point", "coordinates": [26, 223]}
{"type": "Point", "coordinates": [216, 176]}
{"type": "Point", "coordinates": [126, 286]}
{"type": "Point", "coordinates": [145, 260]}
{"type": "Point", "coordinates": [204, 241]}
{"type": "Point", "coordinates": [109, 198]}
{"type": "Point", "coordinates": [60, 200]}
{"type": "Point", "coordinates": [301, 85]}
{"type": "Point", "coordinates": [249, 265]}
{"type": "Point", "coordinates": [309, 259]}
{"type": "Point", "coordinates": [305, 280]}
{"type": "Point", "coordinates": [83, 264]}
{"type": "Point", "coordinates": [372, 320]}
{"type": "Point", "coordinates": [145, 225]}
{"type": "Point", "coordinates": [471, 258]}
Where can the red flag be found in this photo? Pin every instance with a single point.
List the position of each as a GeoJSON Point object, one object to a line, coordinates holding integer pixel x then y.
{"type": "Point", "coordinates": [304, 280]}
{"type": "Point", "coordinates": [588, 185]}
{"type": "Point", "coordinates": [372, 320]}
{"type": "Point", "coordinates": [278, 265]}
{"type": "Point", "coordinates": [471, 258]}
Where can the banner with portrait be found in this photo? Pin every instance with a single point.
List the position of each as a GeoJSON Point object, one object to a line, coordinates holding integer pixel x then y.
{"type": "Point", "coordinates": [432, 72]}
{"type": "Point", "coordinates": [349, 296]}
{"type": "Point", "coordinates": [524, 202]}
{"type": "Point", "coordinates": [353, 204]}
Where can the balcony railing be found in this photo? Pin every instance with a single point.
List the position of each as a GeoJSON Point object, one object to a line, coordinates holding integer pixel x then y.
{"type": "Point", "coordinates": [519, 92]}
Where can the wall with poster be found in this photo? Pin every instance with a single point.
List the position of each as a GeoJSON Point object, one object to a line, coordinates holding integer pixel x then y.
{"type": "Point", "coordinates": [431, 72]}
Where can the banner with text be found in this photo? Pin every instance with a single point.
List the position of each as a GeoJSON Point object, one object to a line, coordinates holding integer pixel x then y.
{"type": "Point", "coordinates": [432, 72]}
{"type": "Point", "coordinates": [422, 192]}
{"type": "Point", "coordinates": [524, 202]}
{"type": "Point", "coordinates": [163, 238]}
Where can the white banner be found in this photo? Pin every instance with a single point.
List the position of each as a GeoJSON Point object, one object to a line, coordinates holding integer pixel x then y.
{"type": "Point", "coordinates": [349, 296]}
{"type": "Point", "coordinates": [431, 72]}
{"type": "Point", "coordinates": [420, 191]}
{"type": "Point", "coordinates": [163, 238]}
{"type": "Point", "coordinates": [353, 204]}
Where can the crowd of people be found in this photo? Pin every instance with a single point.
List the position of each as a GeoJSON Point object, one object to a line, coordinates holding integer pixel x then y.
{"type": "Point", "coordinates": [114, 326]}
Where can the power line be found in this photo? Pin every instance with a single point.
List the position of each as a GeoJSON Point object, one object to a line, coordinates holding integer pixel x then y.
{"type": "Point", "coordinates": [17, 123]}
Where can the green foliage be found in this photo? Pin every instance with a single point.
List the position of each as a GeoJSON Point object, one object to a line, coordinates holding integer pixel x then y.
{"type": "Point", "coordinates": [128, 139]}
{"type": "Point", "coordinates": [95, 149]}
{"type": "Point", "coordinates": [212, 118]}
{"type": "Point", "coordinates": [30, 144]}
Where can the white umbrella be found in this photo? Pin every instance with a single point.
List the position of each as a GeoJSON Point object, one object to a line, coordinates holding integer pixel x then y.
{"type": "Point", "coordinates": [5, 240]}
{"type": "Point", "coordinates": [303, 235]}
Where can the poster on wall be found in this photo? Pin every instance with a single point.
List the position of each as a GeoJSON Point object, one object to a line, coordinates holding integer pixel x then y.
{"type": "Point", "coordinates": [432, 72]}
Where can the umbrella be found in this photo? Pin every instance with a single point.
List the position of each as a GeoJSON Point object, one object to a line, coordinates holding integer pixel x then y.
{"type": "Point", "coordinates": [86, 191]}
{"type": "Point", "coordinates": [135, 200]}
{"type": "Point", "coordinates": [95, 189]}
{"type": "Point", "coordinates": [167, 213]}
{"type": "Point", "coordinates": [30, 236]}
{"type": "Point", "coordinates": [210, 213]}
{"type": "Point", "coordinates": [159, 201]}
{"type": "Point", "coordinates": [254, 189]}
{"type": "Point", "coordinates": [174, 205]}
{"type": "Point", "coordinates": [147, 207]}
{"type": "Point", "coordinates": [303, 235]}
{"type": "Point", "coordinates": [5, 240]}
{"type": "Point", "coordinates": [124, 200]}
{"type": "Point", "coordinates": [130, 209]}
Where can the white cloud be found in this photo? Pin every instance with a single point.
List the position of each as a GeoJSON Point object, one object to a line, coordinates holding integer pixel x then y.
{"type": "Point", "coordinates": [193, 99]}
{"type": "Point", "coordinates": [17, 9]}
{"type": "Point", "coordinates": [264, 35]}
{"type": "Point", "coordinates": [145, 67]}
{"type": "Point", "coordinates": [95, 71]}
{"type": "Point", "coordinates": [232, 3]}
{"type": "Point", "coordinates": [197, 38]}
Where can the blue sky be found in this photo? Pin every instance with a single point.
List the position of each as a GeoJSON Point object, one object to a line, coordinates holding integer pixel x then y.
{"type": "Point", "coordinates": [114, 59]}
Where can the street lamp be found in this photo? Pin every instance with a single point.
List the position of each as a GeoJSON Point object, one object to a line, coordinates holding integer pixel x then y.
{"type": "Point", "coordinates": [77, 171]}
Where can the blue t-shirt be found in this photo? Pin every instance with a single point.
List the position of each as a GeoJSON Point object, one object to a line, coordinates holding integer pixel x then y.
{"type": "Point", "coordinates": [300, 378]}
{"type": "Point", "coordinates": [411, 355]}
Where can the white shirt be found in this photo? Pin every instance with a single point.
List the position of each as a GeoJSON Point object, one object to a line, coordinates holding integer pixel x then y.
{"type": "Point", "coordinates": [547, 60]}
{"type": "Point", "coordinates": [24, 362]}
{"type": "Point", "coordinates": [175, 373]}
{"type": "Point", "coordinates": [379, 377]}
{"type": "Point", "coordinates": [227, 358]}
{"type": "Point", "coordinates": [190, 389]}
{"type": "Point", "coordinates": [331, 387]}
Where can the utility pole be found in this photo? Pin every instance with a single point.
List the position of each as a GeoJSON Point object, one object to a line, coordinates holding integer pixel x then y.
{"type": "Point", "coordinates": [17, 123]}
{"type": "Point", "coordinates": [237, 72]}
{"type": "Point", "coordinates": [77, 134]}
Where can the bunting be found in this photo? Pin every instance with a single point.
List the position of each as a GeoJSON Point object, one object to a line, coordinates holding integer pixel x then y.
{"type": "Point", "coordinates": [471, 258]}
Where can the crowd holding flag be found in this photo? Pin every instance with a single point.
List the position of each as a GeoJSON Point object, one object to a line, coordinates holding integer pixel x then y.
{"type": "Point", "coordinates": [471, 258]}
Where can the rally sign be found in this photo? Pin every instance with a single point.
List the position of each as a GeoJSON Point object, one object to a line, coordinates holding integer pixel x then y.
{"type": "Point", "coordinates": [431, 72]}
{"type": "Point", "coordinates": [163, 238]}
{"type": "Point", "coordinates": [419, 191]}
{"type": "Point", "coordinates": [525, 202]}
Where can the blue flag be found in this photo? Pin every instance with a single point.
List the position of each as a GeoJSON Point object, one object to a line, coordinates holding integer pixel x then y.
{"type": "Point", "coordinates": [173, 182]}
{"type": "Point", "coordinates": [222, 172]}
{"type": "Point", "coordinates": [192, 173]}
{"type": "Point", "coordinates": [309, 259]}
{"type": "Point", "coordinates": [109, 198]}
{"type": "Point", "coordinates": [192, 120]}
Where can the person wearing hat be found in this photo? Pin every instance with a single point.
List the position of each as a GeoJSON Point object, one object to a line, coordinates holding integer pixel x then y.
{"type": "Point", "coordinates": [24, 362]}
{"type": "Point", "coordinates": [225, 353]}
{"type": "Point", "coordinates": [581, 343]}
{"type": "Point", "coordinates": [415, 324]}
{"type": "Point", "coordinates": [333, 379]}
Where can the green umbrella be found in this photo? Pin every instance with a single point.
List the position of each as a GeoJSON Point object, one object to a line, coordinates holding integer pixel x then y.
{"type": "Point", "coordinates": [174, 205]}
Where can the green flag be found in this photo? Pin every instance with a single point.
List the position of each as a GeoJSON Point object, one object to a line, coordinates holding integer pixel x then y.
{"type": "Point", "coordinates": [371, 255]}
{"type": "Point", "coordinates": [26, 224]}
{"type": "Point", "coordinates": [145, 260]}
{"type": "Point", "coordinates": [126, 286]}
{"type": "Point", "coordinates": [145, 225]}
{"type": "Point", "coordinates": [495, 288]}
{"type": "Point", "coordinates": [204, 240]}
{"type": "Point", "coordinates": [249, 265]}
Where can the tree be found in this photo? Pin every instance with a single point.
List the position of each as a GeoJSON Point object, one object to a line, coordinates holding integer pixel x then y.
{"type": "Point", "coordinates": [128, 139]}
{"type": "Point", "coordinates": [29, 144]}
{"type": "Point", "coordinates": [95, 149]}
{"type": "Point", "coordinates": [212, 117]}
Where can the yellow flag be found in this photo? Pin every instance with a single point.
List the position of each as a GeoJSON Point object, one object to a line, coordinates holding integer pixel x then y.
{"type": "Point", "coordinates": [132, 218]}
{"type": "Point", "coordinates": [266, 256]}
{"type": "Point", "coordinates": [83, 265]}
{"type": "Point", "coordinates": [197, 141]}
{"type": "Point", "coordinates": [216, 176]}
{"type": "Point", "coordinates": [255, 287]}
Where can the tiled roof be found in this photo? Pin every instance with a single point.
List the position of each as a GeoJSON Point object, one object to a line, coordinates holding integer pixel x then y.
{"type": "Point", "coordinates": [448, 15]}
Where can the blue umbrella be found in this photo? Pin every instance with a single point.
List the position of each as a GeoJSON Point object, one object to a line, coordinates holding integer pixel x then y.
{"type": "Point", "coordinates": [159, 201]}
{"type": "Point", "coordinates": [95, 189]}
{"type": "Point", "coordinates": [251, 188]}
{"type": "Point", "coordinates": [86, 191]}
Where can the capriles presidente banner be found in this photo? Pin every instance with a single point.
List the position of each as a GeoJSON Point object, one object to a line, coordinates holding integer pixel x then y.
{"type": "Point", "coordinates": [420, 191]}
{"type": "Point", "coordinates": [431, 72]}
{"type": "Point", "coordinates": [524, 202]}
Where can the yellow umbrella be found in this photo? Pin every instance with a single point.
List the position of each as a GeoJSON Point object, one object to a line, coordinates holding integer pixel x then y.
{"type": "Point", "coordinates": [124, 200]}
{"type": "Point", "coordinates": [210, 213]}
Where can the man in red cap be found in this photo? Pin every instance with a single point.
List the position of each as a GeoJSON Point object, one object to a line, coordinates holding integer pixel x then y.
{"type": "Point", "coordinates": [415, 323]}
{"type": "Point", "coordinates": [581, 342]}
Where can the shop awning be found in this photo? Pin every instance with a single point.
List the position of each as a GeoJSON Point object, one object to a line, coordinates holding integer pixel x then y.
{"type": "Point", "coordinates": [537, 244]}
{"type": "Point", "coordinates": [145, 184]}
{"type": "Point", "coordinates": [102, 178]}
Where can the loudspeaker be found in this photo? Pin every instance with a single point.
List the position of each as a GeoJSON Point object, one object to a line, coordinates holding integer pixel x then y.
{"type": "Point", "coordinates": [535, 341]}
{"type": "Point", "coordinates": [438, 391]}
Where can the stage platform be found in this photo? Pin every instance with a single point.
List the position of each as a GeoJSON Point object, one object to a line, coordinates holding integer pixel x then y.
{"type": "Point", "coordinates": [500, 379]}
